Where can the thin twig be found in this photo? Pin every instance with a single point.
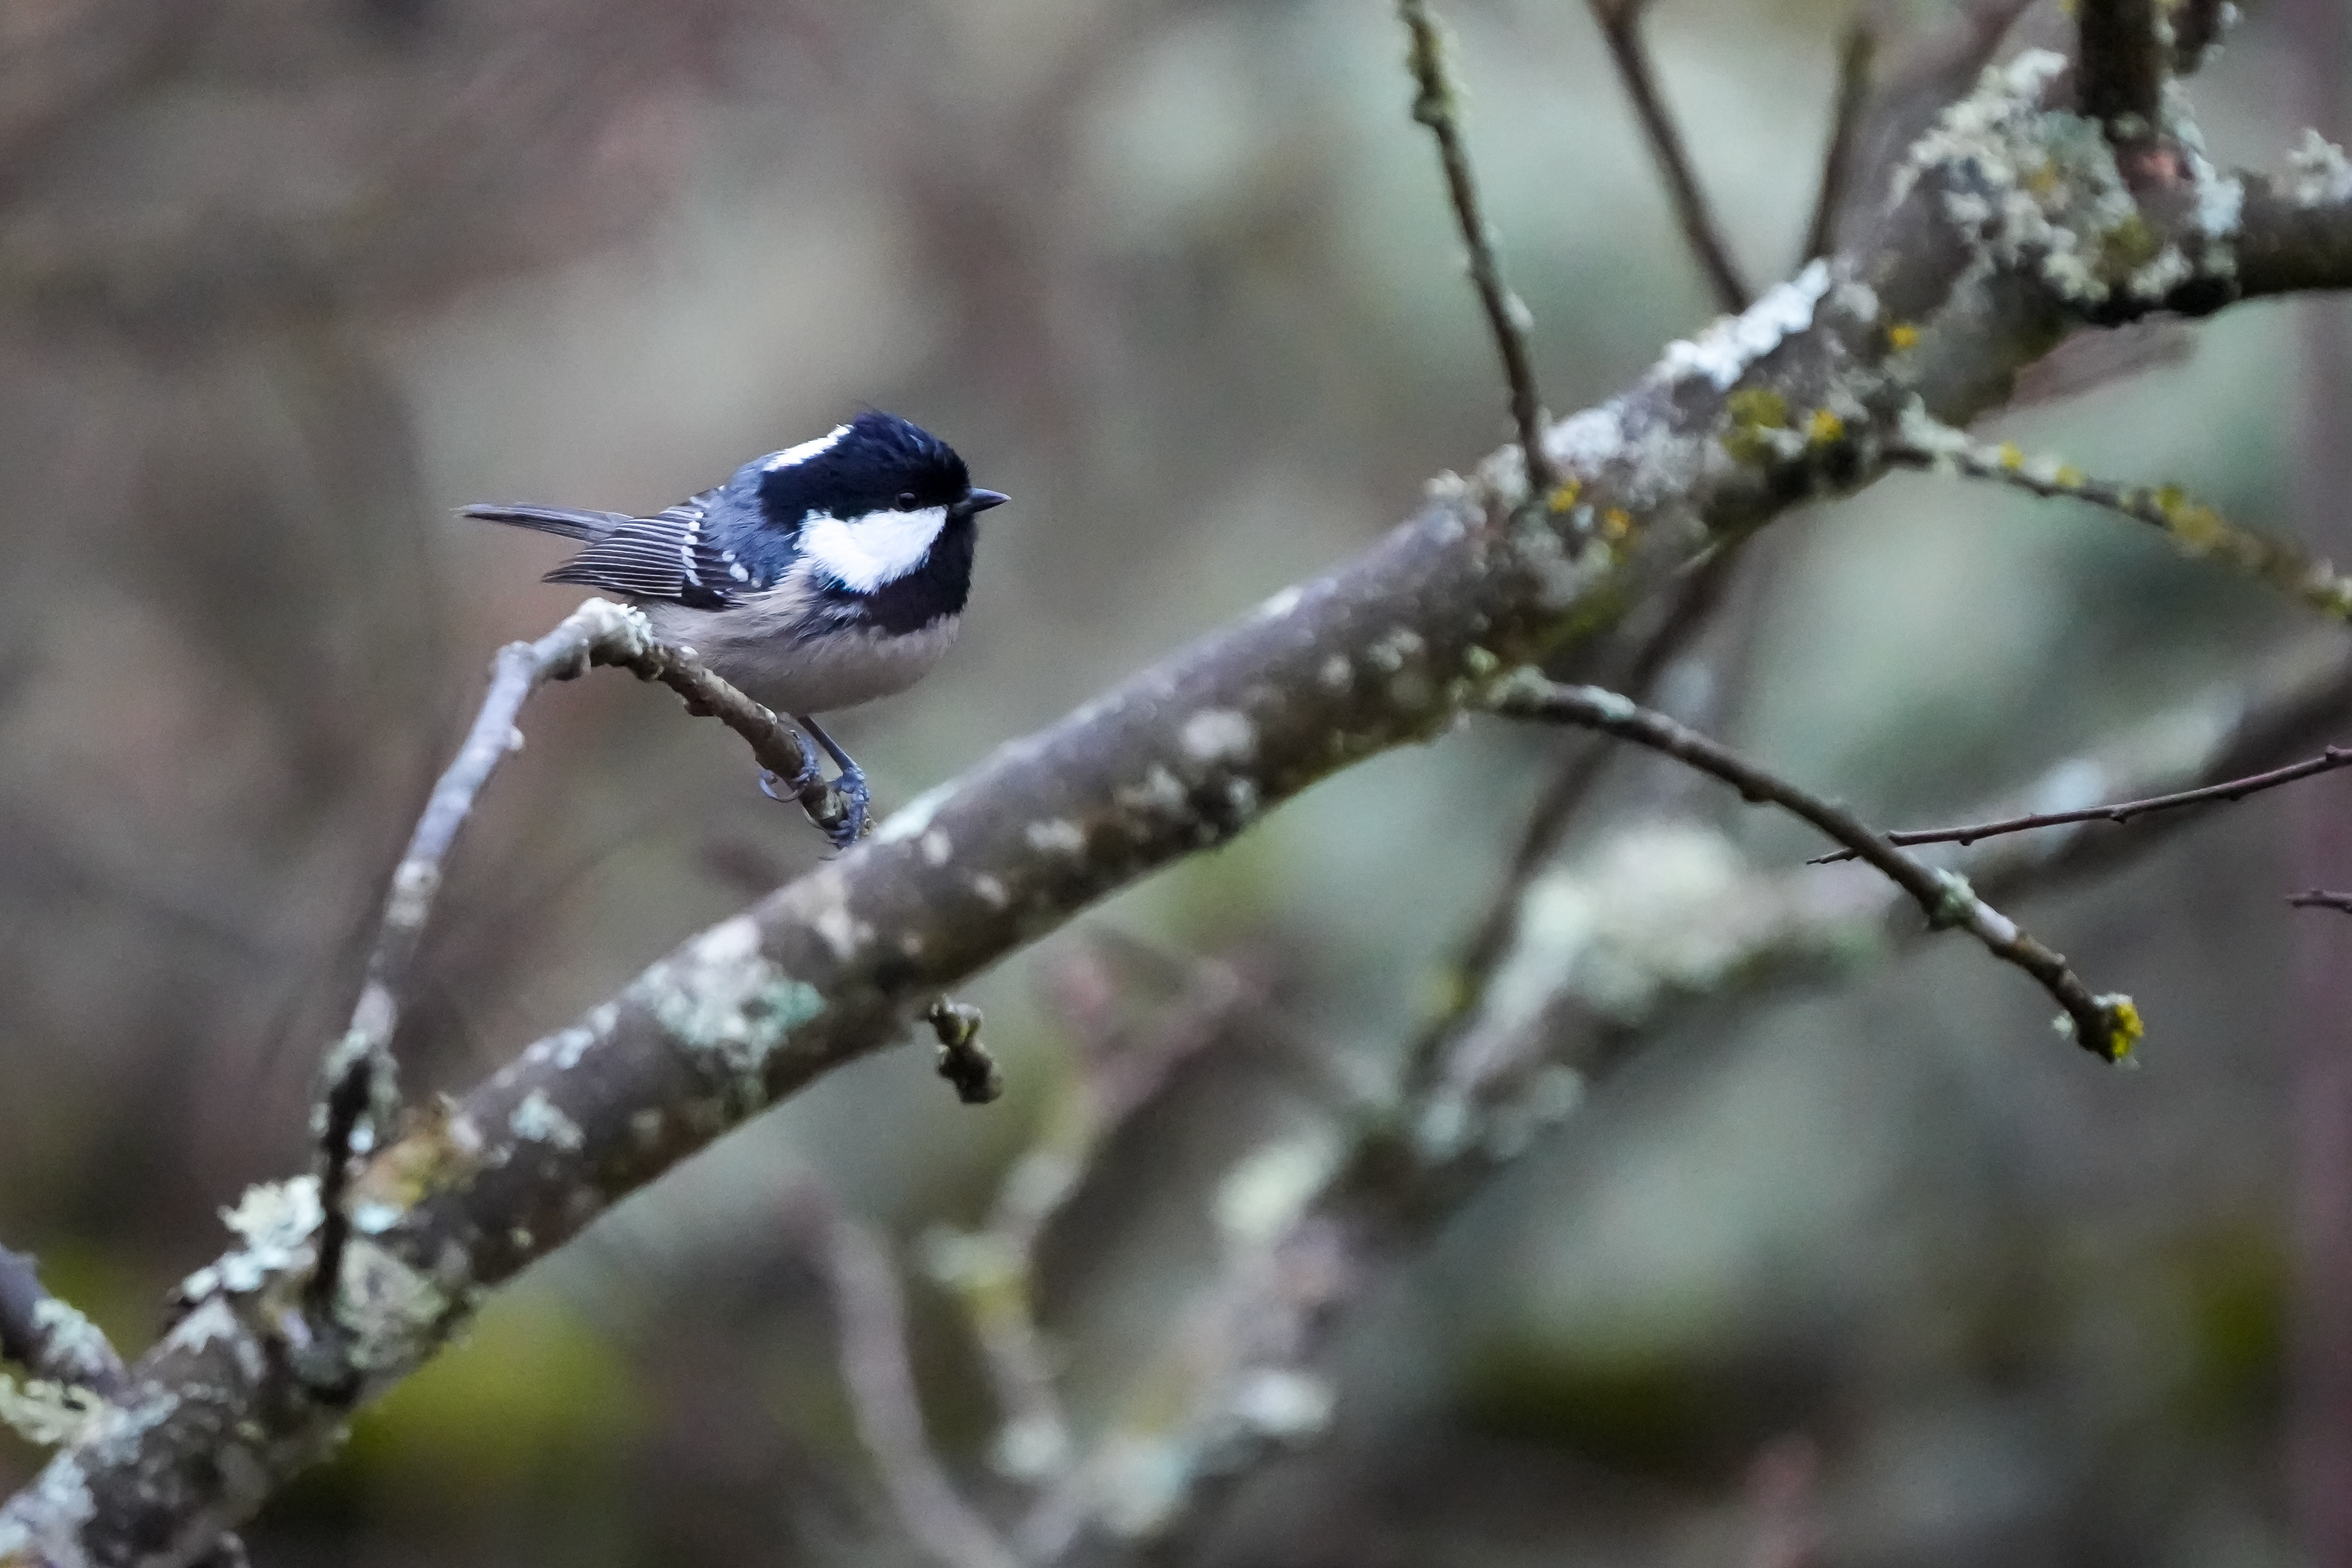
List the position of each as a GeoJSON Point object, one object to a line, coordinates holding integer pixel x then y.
{"type": "Point", "coordinates": [2198, 529]}
{"type": "Point", "coordinates": [2105, 1026]}
{"type": "Point", "coordinates": [2320, 898]}
{"type": "Point", "coordinates": [870, 1317]}
{"type": "Point", "coordinates": [1621, 27]}
{"type": "Point", "coordinates": [2327, 762]}
{"type": "Point", "coordinates": [1845, 125]}
{"type": "Point", "coordinates": [358, 1076]}
{"type": "Point", "coordinates": [2121, 76]}
{"type": "Point", "coordinates": [1436, 103]}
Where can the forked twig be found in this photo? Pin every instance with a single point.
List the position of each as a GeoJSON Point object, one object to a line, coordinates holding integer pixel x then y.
{"type": "Point", "coordinates": [2105, 1026]}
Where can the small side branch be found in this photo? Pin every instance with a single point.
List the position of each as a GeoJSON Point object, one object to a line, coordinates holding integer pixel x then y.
{"type": "Point", "coordinates": [2233, 790]}
{"type": "Point", "coordinates": [2320, 898]}
{"type": "Point", "coordinates": [1621, 27]}
{"type": "Point", "coordinates": [1845, 128]}
{"type": "Point", "coordinates": [2198, 529]}
{"type": "Point", "coordinates": [1437, 104]}
{"type": "Point", "coordinates": [2105, 1026]}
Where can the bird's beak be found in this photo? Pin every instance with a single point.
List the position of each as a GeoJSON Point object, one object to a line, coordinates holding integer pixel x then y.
{"type": "Point", "coordinates": [981, 500]}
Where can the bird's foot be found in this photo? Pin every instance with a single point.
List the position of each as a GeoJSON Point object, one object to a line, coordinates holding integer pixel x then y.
{"type": "Point", "coordinates": [855, 801]}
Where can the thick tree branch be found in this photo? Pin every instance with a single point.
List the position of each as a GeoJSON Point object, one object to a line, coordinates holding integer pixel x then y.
{"type": "Point", "coordinates": [1937, 306]}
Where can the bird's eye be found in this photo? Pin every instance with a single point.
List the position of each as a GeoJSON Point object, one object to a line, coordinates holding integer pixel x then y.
{"type": "Point", "coordinates": [905, 501]}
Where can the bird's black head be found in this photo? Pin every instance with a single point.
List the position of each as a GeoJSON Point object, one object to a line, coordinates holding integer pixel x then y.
{"type": "Point", "coordinates": [875, 463]}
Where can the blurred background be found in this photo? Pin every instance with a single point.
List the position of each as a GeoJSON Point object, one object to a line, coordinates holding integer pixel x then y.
{"type": "Point", "coordinates": [1874, 1274]}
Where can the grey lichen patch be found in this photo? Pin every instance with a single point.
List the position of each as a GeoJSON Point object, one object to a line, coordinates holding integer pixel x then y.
{"type": "Point", "coordinates": [397, 1314]}
{"type": "Point", "coordinates": [937, 847]}
{"type": "Point", "coordinates": [727, 1007]}
{"type": "Point", "coordinates": [2319, 175]}
{"type": "Point", "coordinates": [538, 1120]}
{"type": "Point", "coordinates": [1218, 735]}
{"type": "Point", "coordinates": [51, 1415]}
{"type": "Point", "coordinates": [990, 892]}
{"type": "Point", "coordinates": [1723, 353]}
{"type": "Point", "coordinates": [2038, 191]}
{"type": "Point", "coordinates": [1056, 835]}
{"type": "Point", "coordinates": [278, 1221]}
{"type": "Point", "coordinates": [1160, 794]}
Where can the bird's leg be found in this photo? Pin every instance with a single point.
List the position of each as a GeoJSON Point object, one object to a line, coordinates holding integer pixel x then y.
{"type": "Point", "coordinates": [851, 782]}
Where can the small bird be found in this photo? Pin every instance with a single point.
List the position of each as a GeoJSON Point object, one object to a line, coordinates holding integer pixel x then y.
{"type": "Point", "coordinates": [819, 577]}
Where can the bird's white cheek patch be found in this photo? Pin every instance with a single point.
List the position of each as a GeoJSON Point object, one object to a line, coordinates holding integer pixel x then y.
{"type": "Point", "coordinates": [867, 552]}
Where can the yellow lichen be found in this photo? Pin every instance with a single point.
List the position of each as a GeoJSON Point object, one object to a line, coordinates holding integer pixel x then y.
{"type": "Point", "coordinates": [1825, 427]}
{"type": "Point", "coordinates": [1616, 524]}
{"type": "Point", "coordinates": [2124, 1026]}
{"type": "Point", "coordinates": [1564, 495]}
{"type": "Point", "coordinates": [1903, 335]}
{"type": "Point", "coordinates": [2011, 457]}
{"type": "Point", "coordinates": [2070, 478]}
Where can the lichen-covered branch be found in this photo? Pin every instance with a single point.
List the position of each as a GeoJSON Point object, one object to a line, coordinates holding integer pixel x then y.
{"type": "Point", "coordinates": [1999, 238]}
{"type": "Point", "coordinates": [2197, 528]}
{"type": "Point", "coordinates": [2105, 1026]}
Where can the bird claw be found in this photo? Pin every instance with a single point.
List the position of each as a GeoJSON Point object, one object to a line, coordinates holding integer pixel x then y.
{"type": "Point", "coordinates": [856, 800]}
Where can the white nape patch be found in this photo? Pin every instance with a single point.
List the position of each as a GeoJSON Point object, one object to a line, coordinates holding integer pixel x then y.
{"type": "Point", "coordinates": [804, 451]}
{"type": "Point", "coordinates": [867, 552]}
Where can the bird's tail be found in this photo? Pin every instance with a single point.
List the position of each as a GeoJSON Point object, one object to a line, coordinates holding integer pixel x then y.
{"type": "Point", "coordinates": [589, 526]}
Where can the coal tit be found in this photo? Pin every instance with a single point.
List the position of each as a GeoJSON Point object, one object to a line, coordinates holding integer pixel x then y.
{"type": "Point", "coordinates": [819, 577]}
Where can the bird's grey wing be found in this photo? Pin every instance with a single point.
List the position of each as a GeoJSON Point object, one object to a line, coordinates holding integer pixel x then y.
{"type": "Point", "coordinates": [669, 557]}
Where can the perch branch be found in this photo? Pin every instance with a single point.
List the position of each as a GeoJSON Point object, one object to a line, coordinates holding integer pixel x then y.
{"type": "Point", "coordinates": [357, 1079]}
